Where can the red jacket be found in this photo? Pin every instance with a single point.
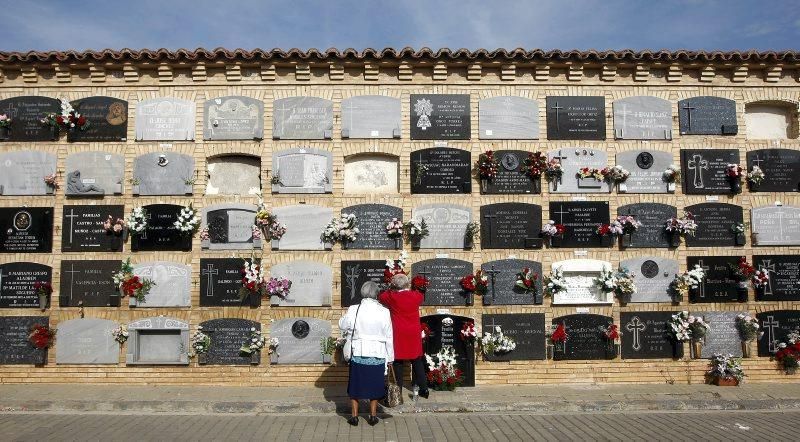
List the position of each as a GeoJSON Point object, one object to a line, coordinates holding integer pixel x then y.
{"type": "Point", "coordinates": [404, 309]}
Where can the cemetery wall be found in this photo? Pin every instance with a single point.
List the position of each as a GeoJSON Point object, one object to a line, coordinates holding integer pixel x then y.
{"type": "Point", "coordinates": [196, 81]}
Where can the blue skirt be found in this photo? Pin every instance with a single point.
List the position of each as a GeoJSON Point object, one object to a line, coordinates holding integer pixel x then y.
{"type": "Point", "coordinates": [366, 381]}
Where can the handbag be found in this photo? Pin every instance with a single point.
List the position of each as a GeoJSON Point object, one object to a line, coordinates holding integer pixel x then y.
{"type": "Point", "coordinates": [394, 395]}
{"type": "Point", "coordinates": [347, 349]}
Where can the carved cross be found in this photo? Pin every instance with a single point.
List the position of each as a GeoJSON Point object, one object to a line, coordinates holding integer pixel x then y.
{"type": "Point", "coordinates": [562, 212]}
{"type": "Point", "coordinates": [71, 217]}
{"type": "Point", "coordinates": [72, 273]}
{"type": "Point", "coordinates": [352, 277]}
{"type": "Point", "coordinates": [757, 161]}
{"type": "Point", "coordinates": [489, 224]}
{"type": "Point", "coordinates": [492, 274]}
{"type": "Point", "coordinates": [557, 108]}
{"type": "Point", "coordinates": [767, 266]}
{"type": "Point", "coordinates": [703, 282]}
{"type": "Point", "coordinates": [689, 110]}
{"type": "Point", "coordinates": [698, 164]}
{"type": "Point", "coordinates": [771, 324]}
{"type": "Point", "coordinates": [209, 272]}
{"type": "Point", "coordinates": [560, 157]}
{"type": "Point", "coordinates": [636, 326]}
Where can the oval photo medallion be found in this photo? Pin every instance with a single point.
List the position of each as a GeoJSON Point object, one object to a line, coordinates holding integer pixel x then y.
{"type": "Point", "coordinates": [510, 161]}
{"type": "Point", "coordinates": [300, 329]}
{"type": "Point", "coordinates": [22, 221]}
{"type": "Point", "coordinates": [644, 160]}
{"type": "Point", "coordinates": [650, 269]}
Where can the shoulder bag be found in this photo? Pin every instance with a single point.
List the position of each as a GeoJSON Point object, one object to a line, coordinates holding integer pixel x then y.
{"type": "Point", "coordinates": [347, 349]}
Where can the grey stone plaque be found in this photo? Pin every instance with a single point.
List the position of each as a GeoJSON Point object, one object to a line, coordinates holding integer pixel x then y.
{"type": "Point", "coordinates": [302, 118]}
{"type": "Point", "coordinates": [230, 226]}
{"type": "Point", "coordinates": [303, 170]}
{"type": "Point", "coordinates": [775, 225]}
{"type": "Point", "coordinates": [372, 221]}
{"type": "Point", "coordinates": [304, 227]}
{"type": "Point", "coordinates": [87, 341]}
{"type": "Point", "coordinates": [17, 349]}
{"type": "Point", "coordinates": [647, 170]}
{"type": "Point", "coordinates": [653, 216]}
{"type": "Point", "coordinates": [652, 276]}
{"type": "Point", "coordinates": [234, 175]}
{"type": "Point", "coordinates": [574, 159]}
{"type": "Point", "coordinates": [165, 173]}
{"type": "Point", "coordinates": [158, 341]}
{"type": "Point", "coordinates": [233, 118]}
{"type": "Point", "coordinates": [707, 116]}
{"type": "Point", "coordinates": [502, 276]}
{"type": "Point", "coordinates": [22, 172]}
{"type": "Point", "coordinates": [227, 337]}
{"type": "Point", "coordinates": [508, 118]}
{"type": "Point", "coordinates": [447, 224]}
{"type": "Point", "coordinates": [299, 339]}
{"type": "Point", "coordinates": [312, 283]}
{"type": "Point", "coordinates": [642, 118]}
{"type": "Point", "coordinates": [371, 116]}
{"type": "Point", "coordinates": [173, 284]}
{"type": "Point", "coordinates": [723, 336]}
{"type": "Point", "coordinates": [165, 119]}
{"type": "Point", "coordinates": [94, 173]}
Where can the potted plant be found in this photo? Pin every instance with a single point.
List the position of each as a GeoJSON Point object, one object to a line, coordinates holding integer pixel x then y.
{"type": "Point", "coordinates": [199, 344]}
{"type": "Point", "coordinates": [616, 176]}
{"type": "Point", "coordinates": [734, 173]}
{"type": "Point", "coordinates": [738, 230]}
{"type": "Point", "coordinates": [253, 345]}
{"type": "Point", "coordinates": [612, 336]}
{"type": "Point", "coordinates": [5, 126]}
{"type": "Point", "coordinates": [475, 284]}
{"type": "Point", "coordinates": [787, 353]}
{"type": "Point", "coordinates": [748, 332]}
{"type": "Point", "coordinates": [554, 233]}
{"type": "Point", "coordinates": [495, 343]}
{"type": "Point", "coordinates": [742, 272]}
{"type": "Point", "coordinates": [755, 177]}
{"type": "Point", "coordinates": [273, 350]}
{"type": "Point", "coordinates": [670, 176]}
{"type": "Point", "coordinates": [415, 230]}
{"type": "Point", "coordinates": [629, 225]}
{"type": "Point", "coordinates": [443, 371]}
{"type": "Point", "coordinates": [534, 167]}
{"type": "Point", "coordinates": [470, 233]}
{"type": "Point", "coordinates": [725, 371]}
{"type": "Point", "coordinates": [554, 173]}
{"type": "Point", "coordinates": [328, 346]}
{"type": "Point", "coordinates": [131, 285]}
{"type": "Point", "coordinates": [486, 168]}
{"type": "Point", "coordinates": [394, 230]}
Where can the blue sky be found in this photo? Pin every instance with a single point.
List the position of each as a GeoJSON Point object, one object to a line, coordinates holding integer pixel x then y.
{"type": "Point", "coordinates": [564, 24]}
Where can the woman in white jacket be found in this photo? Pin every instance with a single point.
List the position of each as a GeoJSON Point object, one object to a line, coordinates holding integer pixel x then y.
{"type": "Point", "coordinates": [369, 327]}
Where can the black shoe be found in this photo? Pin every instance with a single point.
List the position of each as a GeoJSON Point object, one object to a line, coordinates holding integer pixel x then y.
{"type": "Point", "coordinates": [424, 393]}
{"type": "Point", "coordinates": [373, 420]}
{"type": "Point", "coordinates": [353, 421]}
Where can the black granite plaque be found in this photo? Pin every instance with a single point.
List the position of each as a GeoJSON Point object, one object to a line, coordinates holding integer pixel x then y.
{"type": "Point", "coordinates": [784, 277]}
{"type": "Point", "coordinates": [581, 219]}
{"type": "Point", "coordinates": [511, 226]}
{"type": "Point", "coordinates": [17, 281]}
{"type": "Point", "coordinates": [372, 221]}
{"type": "Point", "coordinates": [707, 116]}
{"type": "Point", "coordinates": [82, 229]}
{"type": "Point", "coordinates": [781, 169]}
{"type": "Point", "coordinates": [443, 334]}
{"type": "Point", "coordinates": [511, 178]}
{"type": "Point", "coordinates": [89, 282]}
{"type": "Point", "coordinates": [107, 116]}
{"type": "Point", "coordinates": [16, 348]}
{"type": "Point", "coordinates": [704, 171]}
{"type": "Point", "coordinates": [714, 223]}
{"type": "Point", "coordinates": [161, 233]}
{"type": "Point", "coordinates": [719, 285]}
{"type": "Point", "coordinates": [653, 216]}
{"type": "Point", "coordinates": [355, 274]}
{"type": "Point", "coordinates": [585, 338]}
{"type": "Point", "coordinates": [440, 117]}
{"type": "Point", "coordinates": [503, 289]}
{"type": "Point", "coordinates": [227, 336]}
{"type": "Point", "coordinates": [220, 281]}
{"type": "Point", "coordinates": [775, 325]}
{"type": "Point", "coordinates": [645, 335]}
{"type": "Point", "coordinates": [576, 118]}
{"type": "Point", "coordinates": [26, 230]}
{"type": "Point", "coordinates": [441, 170]}
{"type": "Point", "coordinates": [26, 114]}
{"type": "Point", "coordinates": [527, 331]}
{"type": "Point", "coordinates": [445, 276]}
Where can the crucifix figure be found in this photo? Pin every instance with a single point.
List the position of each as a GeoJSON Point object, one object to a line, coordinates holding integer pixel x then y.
{"type": "Point", "coordinates": [209, 272]}
{"type": "Point", "coordinates": [71, 217]}
{"type": "Point", "coordinates": [559, 157]}
{"type": "Point", "coordinates": [492, 274]}
{"type": "Point", "coordinates": [488, 222]}
{"type": "Point", "coordinates": [557, 108]}
{"type": "Point", "coordinates": [688, 110]}
{"type": "Point", "coordinates": [768, 267]}
{"type": "Point", "coordinates": [352, 278]}
{"type": "Point", "coordinates": [72, 273]}
{"type": "Point", "coordinates": [771, 324]}
{"type": "Point", "coordinates": [703, 281]}
{"type": "Point", "coordinates": [636, 326]}
{"type": "Point", "coordinates": [698, 164]}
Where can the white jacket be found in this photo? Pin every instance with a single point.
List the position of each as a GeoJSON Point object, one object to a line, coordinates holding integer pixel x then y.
{"type": "Point", "coordinates": [373, 333]}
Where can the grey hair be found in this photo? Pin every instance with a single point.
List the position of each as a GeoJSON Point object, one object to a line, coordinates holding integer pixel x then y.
{"type": "Point", "coordinates": [370, 290]}
{"type": "Point", "coordinates": [400, 281]}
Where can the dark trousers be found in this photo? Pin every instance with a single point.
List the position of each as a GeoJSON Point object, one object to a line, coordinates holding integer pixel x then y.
{"type": "Point", "coordinates": [420, 378]}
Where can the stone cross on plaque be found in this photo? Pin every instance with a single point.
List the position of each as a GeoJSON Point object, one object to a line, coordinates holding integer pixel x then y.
{"type": "Point", "coordinates": [492, 274]}
{"type": "Point", "coordinates": [560, 157]}
{"type": "Point", "coordinates": [636, 326]}
{"type": "Point", "coordinates": [768, 267]}
{"type": "Point", "coordinates": [698, 164]}
{"type": "Point", "coordinates": [703, 282]}
{"type": "Point", "coordinates": [71, 217]}
{"type": "Point", "coordinates": [209, 272]}
{"type": "Point", "coordinates": [689, 110]}
{"type": "Point", "coordinates": [489, 217]}
{"type": "Point", "coordinates": [757, 161]}
{"type": "Point", "coordinates": [352, 279]}
{"type": "Point", "coordinates": [72, 273]}
{"type": "Point", "coordinates": [557, 108]}
{"type": "Point", "coordinates": [491, 326]}
{"type": "Point", "coordinates": [562, 212]}
{"type": "Point", "coordinates": [143, 235]}
{"type": "Point", "coordinates": [771, 324]}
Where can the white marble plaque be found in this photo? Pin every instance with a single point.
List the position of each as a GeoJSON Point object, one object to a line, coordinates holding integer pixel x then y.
{"type": "Point", "coordinates": [165, 119]}
{"type": "Point", "coordinates": [580, 275]}
{"type": "Point", "coordinates": [23, 172]}
{"type": "Point", "coordinates": [371, 174]}
{"type": "Point", "coordinates": [447, 225]}
{"type": "Point", "coordinates": [304, 226]}
{"type": "Point", "coordinates": [312, 284]}
{"type": "Point", "coordinates": [173, 284]}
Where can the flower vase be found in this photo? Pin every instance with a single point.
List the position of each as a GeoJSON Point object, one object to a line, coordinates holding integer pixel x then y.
{"type": "Point", "coordinates": [741, 291]}
{"type": "Point", "coordinates": [740, 239]}
{"type": "Point", "coordinates": [697, 348]}
{"type": "Point", "coordinates": [694, 294]}
{"type": "Point", "coordinates": [255, 299]}
{"type": "Point", "coordinates": [725, 382]}
{"type": "Point", "coordinates": [555, 185]}
{"type": "Point", "coordinates": [54, 133]}
{"type": "Point", "coordinates": [537, 185]}
{"type": "Point", "coordinates": [273, 358]}
{"type": "Point", "coordinates": [43, 298]}
{"type": "Point", "coordinates": [327, 245]}
{"type": "Point", "coordinates": [415, 243]}
{"type": "Point", "coordinates": [745, 349]}
{"type": "Point", "coordinates": [4, 133]}
{"type": "Point", "coordinates": [345, 244]}
{"type": "Point", "coordinates": [469, 242]}
{"type": "Point", "coordinates": [202, 359]}
{"type": "Point", "coordinates": [790, 370]}
{"type": "Point", "coordinates": [257, 243]}
{"type": "Point", "coordinates": [132, 302]}
{"type": "Point", "coordinates": [760, 291]}
{"type": "Point", "coordinates": [326, 358]}
{"type": "Point", "coordinates": [622, 187]}
{"type": "Point", "coordinates": [671, 187]}
{"type": "Point", "coordinates": [674, 239]}
{"type": "Point", "coordinates": [205, 243]}
{"type": "Point", "coordinates": [736, 186]}
{"type": "Point", "coordinates": [627, 239]}
{"type": "Point", "coordinates": [487, 299]}
{"type": "Point", "coordinates": [484, 185]}
{"type": "Point", "coordinates": [398, 243]}
{"type": "Point", "coordinates": [49, 190]}
{"type": "Point", "coordinates": [255, 358]}
{"type": "Point", "coordinates": [607, 240]}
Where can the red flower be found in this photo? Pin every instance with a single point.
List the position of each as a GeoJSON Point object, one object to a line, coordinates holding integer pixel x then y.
{"type": "Point", "coordinates": [420, 283]}
{"type": "Point", "coordinates": [131, 285]}
{"type": "Point", "coordinates": [468, 283]}
{"type": "Point", "coordinates": [604, 229]}
{"type": "Point", "coordinates": [560, 228]}
{"type": "Point", "coordinates": [612, 333]}
{"type": "Point", "coordinates": [41, 336]}
{"type": "Point", "coordinates": [560, 334]}
{"type": "Point", "coordinates": [81, 120]}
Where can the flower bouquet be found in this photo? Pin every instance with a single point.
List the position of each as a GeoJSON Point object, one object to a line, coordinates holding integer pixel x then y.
{"type": "Point", "coordinates": [496, 343]}
{"type": "Point", "coordinates": [52, 182]}
{"type": "Point", "coordinates": [554, 172]}
{"type": "Point", "coordinates": [629, 225]}
{"type": "Point", "coordinates": [348, 230]}
{"type": "Point", "coordinates": [534, 166]}
{"type": "Point", "coordinates": [469, 332]}
{"type": "Point", "coordinates": [475, 284]}
{"type": "Point", "coordinates": [415, 230]}
{"type": "Point", "coordinates": [137, 221]}
{"type": "Point", "coordinates": [114, 226]}
{"type": "Point", "coordinates": [470, 233]}
{"type": "Point", "coordinates": [272, 350]}
{"type": "Point", "coordinates": [395, 267]}
{"type": "Point", "coordinates": [486, 168]}
{"type": "Point", "coordinates": [725, 370]}
{"type": "Point", "coordinates": [679, 327]}
{"type": "Point", "coordinates": [676, 227]}
{"type": "Point", "coordinates": [555, 284]}
{"type": "Point", "coordinates": [253, 345]}
{"type": "Point", "coordinates": [558, 337]}
{"type": "Point", "coordinates": [734, 173]}
{"type": "Point", "coordinates": [443, 371]}
{"type": "Point", "coordinates": [738, 230]}
{"type": "Point", "coordinates": [5, 126]}
{"type": "Point", "coordinates": [619, 283]}
{"type": "Point", "coordinates": [748, 331]}
{"type": "Point", "coordinates": [43, 292]}
{"type": "Point", "coordinates": [131, 285]}
{"type": "Point", "coordinates": [330, 234]}
{"type": "Point", "coordinates": [199, 343]}
{"type": "Point", "coordinates": [526, 280]}
{"type": "Point", "coordinates": [70, 119]}
{"type": "Point", "coordinates": [616, 176]}
{"type": "Point", "coordinates": [394, 230]}
{"type": "Point", "coordinates": [755, 177]}
{"type": "Point", "coordinates": [671, 175]}
{"type": "Point", "coordinates": [612, 336]}
{"type": "Point", "coordinates": [552, 230]}
{"type": "Point", "coordinates": [698, 329]}
{"type": "Point", "coordinates": [254, 283]}
{"type": "Point", "coordinates": [120, 334]}
{"type": "Point", "coordinates": [687, 283]}
{"type": "Point", "coordinates": [42, 336]}
{"type": "Point", "coordinates": [426, 331]}
{"type": "Point", "coordinates": [591, 172]}
{"type": "Point", "coordinates": [608, 232]}
{"type": "Point", "coordinates": [743, 271]}
{"type": "Point", "coordinates": [760, 281]}
{"type": "Point", "coordinates": [788, 353]}
{"type": "Point", "coordinates": [187, 221]}
{"type": "Point", "coordinates": [420, 283]}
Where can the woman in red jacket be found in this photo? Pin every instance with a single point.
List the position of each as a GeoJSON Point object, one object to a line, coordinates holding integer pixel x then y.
{"type": "Point", "coordinates": [403, 304]}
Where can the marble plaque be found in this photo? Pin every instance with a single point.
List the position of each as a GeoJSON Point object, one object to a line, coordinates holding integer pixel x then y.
{"type": "Point", "coordinates": [714, 223]}
{"type": "Point", "coordinates": [304, 227]}
{"type": "Point", "coordinates": [17, 281]}
{"type": "Point", "coordinates": [355, 274]}
{"type": "Point", "coordinates": [573, 160]}
{"type": "Point", "coordinates": [441, 170]}
{"type": "Point", "coordinates": [26, 229]}
{"type": "Point", "coordinates": [775, 325]}
{"type": "Point", "coordinates": [220, 281]}
{"type": "Point", "coordinates": [581, 219]}
{"type": "Point", "coordinates": [646, 335]}
{"type": "Point", "coordinates": [233, 118]}
{"type": "Point", "coordinates": [446, 333]}
{"type": "Point", "coordinates": [511, 226]}
{"type": "Point", "coordinates": [784, 277]}
{"type": "Point", "coordinates": [652, 276]}
{"type": "Point", "coordinates": [299, 339]}
{"type": "Point", "coordinates": [230, 226]}
{"type": "Point", "coordinates": [508, 118]}
{"type": "Point", "coordinates": [576, 118]}
{"type": "Point", "coordinates": [723, 336]}
{"type": "Point", "coordinates": [302, 118]}
{"type": "Point", "coordinates": [303, 170]}
{"type": "Point", "coordinates": [173, 284]}
{"type": "Point", "coordinates": [94, 173]}
{"type": "Point", "coordinates": [312, 283]}
{"type": "Point", "coordinates": [585, 339]}
{"type": "Point", "coordinates": [440, 117]}
{"type": "Point", "coordinates": [17, 349]}
{"type": "Point", "coordinates": [527, 331]}
{"type": "Point", "coordinates": [234, 175]}
{"type": "Point", "coordinates": [719, 285]}
{"type": "Point", "coordinates": [642, 118]}
{"type": "Point", "coordinates": [653, 217]}
{"type": "Point", "coordinates": [372, 221]}
{"type": "Point", "coordinates": [26, 114]}
{"type": "Point", "coordinates": [704, 171]}
{"type": "Point", "coordinates": [87, 341]}
{"type": "Point", "coordinates": [511, 178]}
{"type": "Point", "coordinates": [707, 116]}
{"type": "Point", "coordinates": [165, 119]}
{"type": "Point", "coordinates": [444, 275]}
{"type": "Point", "coordinates": [781, 169]}
{"type": "Point", "coordinates": [447, 224]}
{"type": "Point", "coordinates": [158, 341]}
{"type": "Point", "coordinates": [89, 283]}
{"type": "Point", "coordinates": [579, 275]}
{"type": "Point", "coordinates": [227, 337]}
{"type": "Point", "coordinates": [647, 170]}
{"type": "Point", "coordinates": [167, 173]}
{"type": "Point", "coordinates": [22, 172]}
{"type": "Point", "coordinates": [775, 225]}
{"type": "Point", "coordinates": [161, 233]}
{"type": "Point", "coordinates": [502, 276]}
{"type": "Point", "coordinates": [108, 119]}
{"type": "Point", "coordinates": [371, 116]}
{"type": "Point", "coordinates": [82, 229]}
{"type": "Point", "coordinates": [371, 174]}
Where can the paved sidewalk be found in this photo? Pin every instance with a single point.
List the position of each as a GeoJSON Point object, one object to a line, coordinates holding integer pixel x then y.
{"type": "Point", "coordinates": [56, 398]}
